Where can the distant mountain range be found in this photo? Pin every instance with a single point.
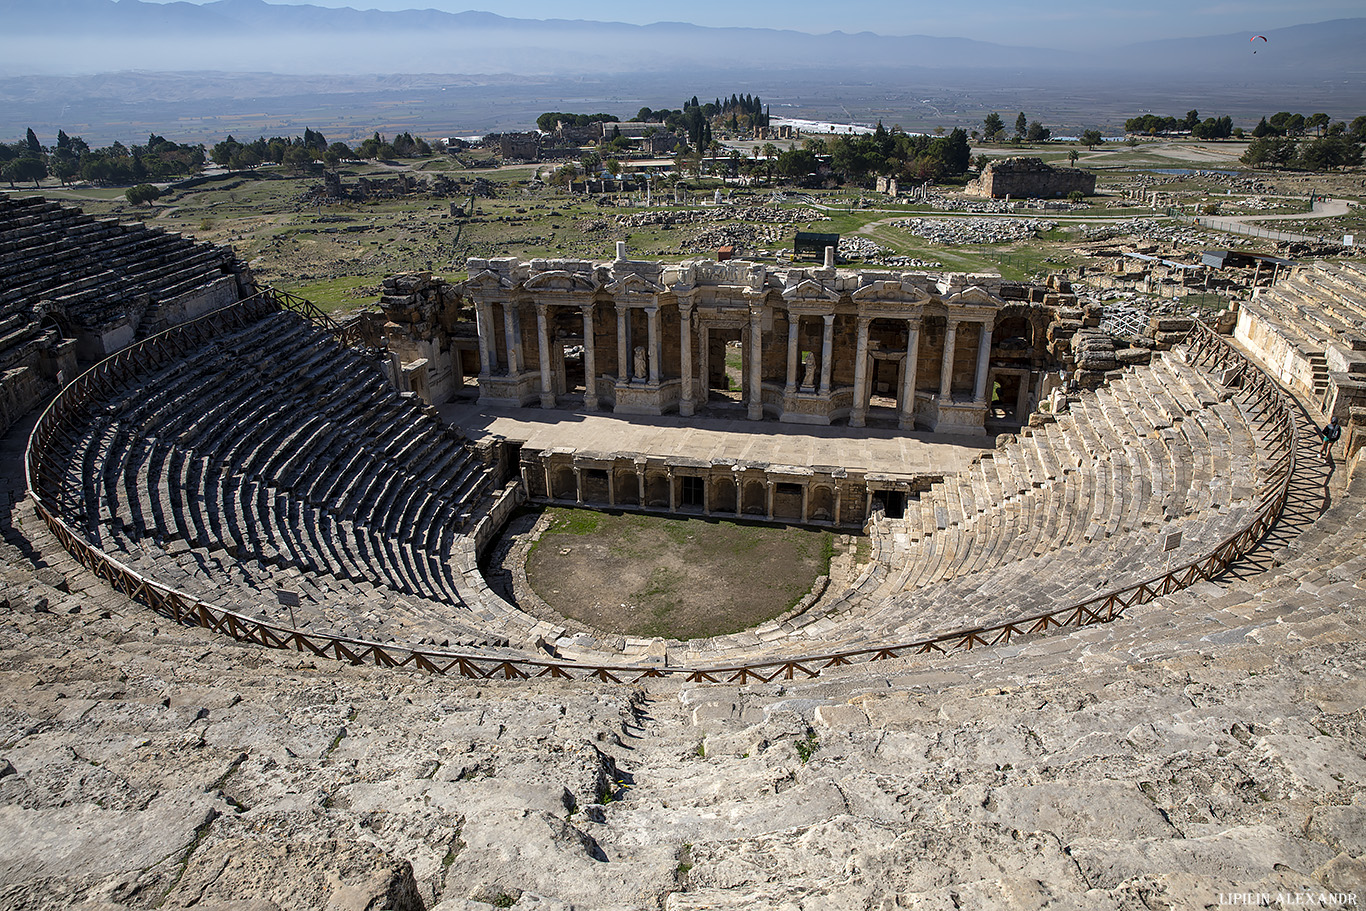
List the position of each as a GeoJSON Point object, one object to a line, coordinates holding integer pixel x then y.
{"type": "Point", "coordinates": [83, 36]}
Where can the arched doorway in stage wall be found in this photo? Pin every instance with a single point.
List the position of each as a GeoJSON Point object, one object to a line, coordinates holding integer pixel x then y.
{"type": "Point", "coordinates": [755, 499]}
{"type": "Point", "coordinates": [1011, 377]}
{"type": "Point", "coordinates": [563, 484]}
{"type": "Point", "coordinates": [656, 489]}
{"type": "Point", "coordinates": [723, 495]}
{"type": "Point", "coordinates": [627, 486]}
{"type": "Point", "coordinates": [821, 507]}
{"type": "Point", "coordinates": [566, 353]}
{"type": "Point", "coordinates": [723, 361]}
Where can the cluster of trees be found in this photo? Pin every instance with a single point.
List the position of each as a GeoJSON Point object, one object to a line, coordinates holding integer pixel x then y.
{"type": "Point", "coordinates": [72, 158]}
{"type": "Point", "coordinates": [1337, 144]}
{"type": "Point", "coordinates": [547, 122]}
{"type": "Point", "coordinates": [994, 129]}
{"type": "Point", "coordinates": [1209, 128]}
{"type": "Point", "coordinates": [302, 152]}
{"type": "Point", "coordinates": [893, 153]}
{"type": "Point", "coordinates": [695, 120]}
{"type": "Point", "coordinates": [161, 159]}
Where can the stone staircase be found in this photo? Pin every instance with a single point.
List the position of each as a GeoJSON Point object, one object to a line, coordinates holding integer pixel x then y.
{"type": "Point", "coordinates": [1321, 308]}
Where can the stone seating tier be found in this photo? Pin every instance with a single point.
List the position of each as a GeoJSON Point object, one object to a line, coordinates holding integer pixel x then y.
{"type": "Point", "coordinates": [273, 445]}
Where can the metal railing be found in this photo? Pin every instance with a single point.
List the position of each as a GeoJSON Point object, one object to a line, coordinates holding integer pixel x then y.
{"type": "Point", "coordinates": [348, 335]}
{"type": "Point", "coordinates": [1273, 414]}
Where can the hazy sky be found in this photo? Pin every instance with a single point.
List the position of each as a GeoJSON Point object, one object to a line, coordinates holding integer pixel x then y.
{"type": "Point", "coordinates": [1050, 23]}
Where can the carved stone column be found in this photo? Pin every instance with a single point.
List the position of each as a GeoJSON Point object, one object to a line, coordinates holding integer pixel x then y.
{"type": "Point", "coordinates": [543, 339]}
{"type": "Point", "coordinates": [512, 336]}
{"type": "Point", "coordinates": [590, 361]}
{"type": "Point", "coordinates": [686, 402]}
{"type": "Point", "coordinates": [946, 371]}
{"type": "Point", "coordinates": [640, 482]}
{"type": "Point", "coordinates": [673, 500]}
{"type": "Point", "coordinates": [483, 321]}
{"type": "Point", "coordinates": [839, 496]}
{"type": "Point", "coordinates": [578, 485]}
{"type": "Point", "coordinates": [652, 314]}
{"type": "Point", "coordinates": [906, 418]}
{"type": "Point", "coordinates": [806, 499]}
{"type": "Point", "coordinates": [704, 361]}
{"type": "Point", "coordinates": [827, 347]}
{"type": "Point", "coordinates": [858, 416]}
{"type": "Point", "coordinates": [623, 344]}
{"type": "Point", "coordinates": [756, 364]}
{"type": "Point", "coordinates": [979, 389]}
{"type": "Point", "coordinates": [770, 485]}
{"type": "Point", "coordinates": [793, 322]}
{"type": "Point", "coordinates": [612, 486]}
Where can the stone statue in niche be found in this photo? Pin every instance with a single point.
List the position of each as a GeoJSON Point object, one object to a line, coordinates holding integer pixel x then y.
{"type": "Point", "coordinates": [809, 371]}
{"type": "Point", "coordinates": [642, 367]}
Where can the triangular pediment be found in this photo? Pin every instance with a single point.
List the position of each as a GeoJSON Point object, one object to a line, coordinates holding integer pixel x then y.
{"type": "Point", "coordinates": [564, 282]}
{"type": "Point", "coordinates": [975, 295]}
{"type": "Point", "coordinates": [632, 283]}
{"type": "Point", "coordinates": [487, 280]}
{"type": "Point", "coordinates": [892, 292]}
{"type": "Point", "coordinates": [809, 290]}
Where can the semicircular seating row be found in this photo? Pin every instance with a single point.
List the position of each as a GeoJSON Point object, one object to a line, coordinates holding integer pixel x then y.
{"type": "Point", "coordinates": [88, 267]}
{"type": "Point", "coordinates": [1058, 515]}
{"type": "Point", "coordinates": [271, 458]}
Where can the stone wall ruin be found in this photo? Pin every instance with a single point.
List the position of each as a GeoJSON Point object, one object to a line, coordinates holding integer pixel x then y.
{"type": "Point", "coordinates": [1029, 178]}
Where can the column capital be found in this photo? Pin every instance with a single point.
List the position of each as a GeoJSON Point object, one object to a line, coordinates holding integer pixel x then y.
{"type": "Point", "coordinates": [829, 318]}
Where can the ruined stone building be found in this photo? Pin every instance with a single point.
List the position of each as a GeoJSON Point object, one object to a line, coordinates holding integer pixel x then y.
{"type": "Point", "coordinates": [1029, 178]}
{"type": "Point", "coordinates": [812, 346]}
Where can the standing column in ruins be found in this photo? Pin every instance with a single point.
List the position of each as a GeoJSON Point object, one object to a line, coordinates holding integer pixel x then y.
{"type": "Point", "coordinates": [483, 321]}
{"type": "Point", "coordinates": [640, 482]}
{"type": "Point", "coordinates": [827, 346]}
{"type": "Point", "coordinates": [673, 501]}
{"type": "Point", "coordinates": [685, 402]}
{"type": "Point", "coordinates": [512, 337]}
{"type": "Point", "coordinates": [906, 419]}
{"type": "Point", "coordinates": [793, 321]}
{"type": "Point", "coordinates": [543, 337]}
{"type": "Point", "coordinates": [979, 389]}
{"type": "Point", "coordinates": [946, 371]}
{"type": "Point", "coordinates": [578, 485]}
{"type": "Point", "coordinates": [704, 361]}
{"type": "Point", "coordinates": [590, 361]}
{"type": "Point", "coordinates": [806, 499]}
{"type": "Point", "coordinates": [839, 496]}
{"type": "Point", "coordinates": [612, 486]}
{"type": "Point", "coordinates": [858, 416]}
{"type": "Point", "coordinates": [652, 320]}
{"type": "Point", "coordinates": [623, 344]}
{"type": "Point", "coordinates": [769, 486]}
{"type": "Point", "coordinates": [756, 359]}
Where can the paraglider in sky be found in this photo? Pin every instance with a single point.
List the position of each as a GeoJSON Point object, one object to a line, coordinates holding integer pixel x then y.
{"type": "Point", "coordinates": [1254, 38]}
